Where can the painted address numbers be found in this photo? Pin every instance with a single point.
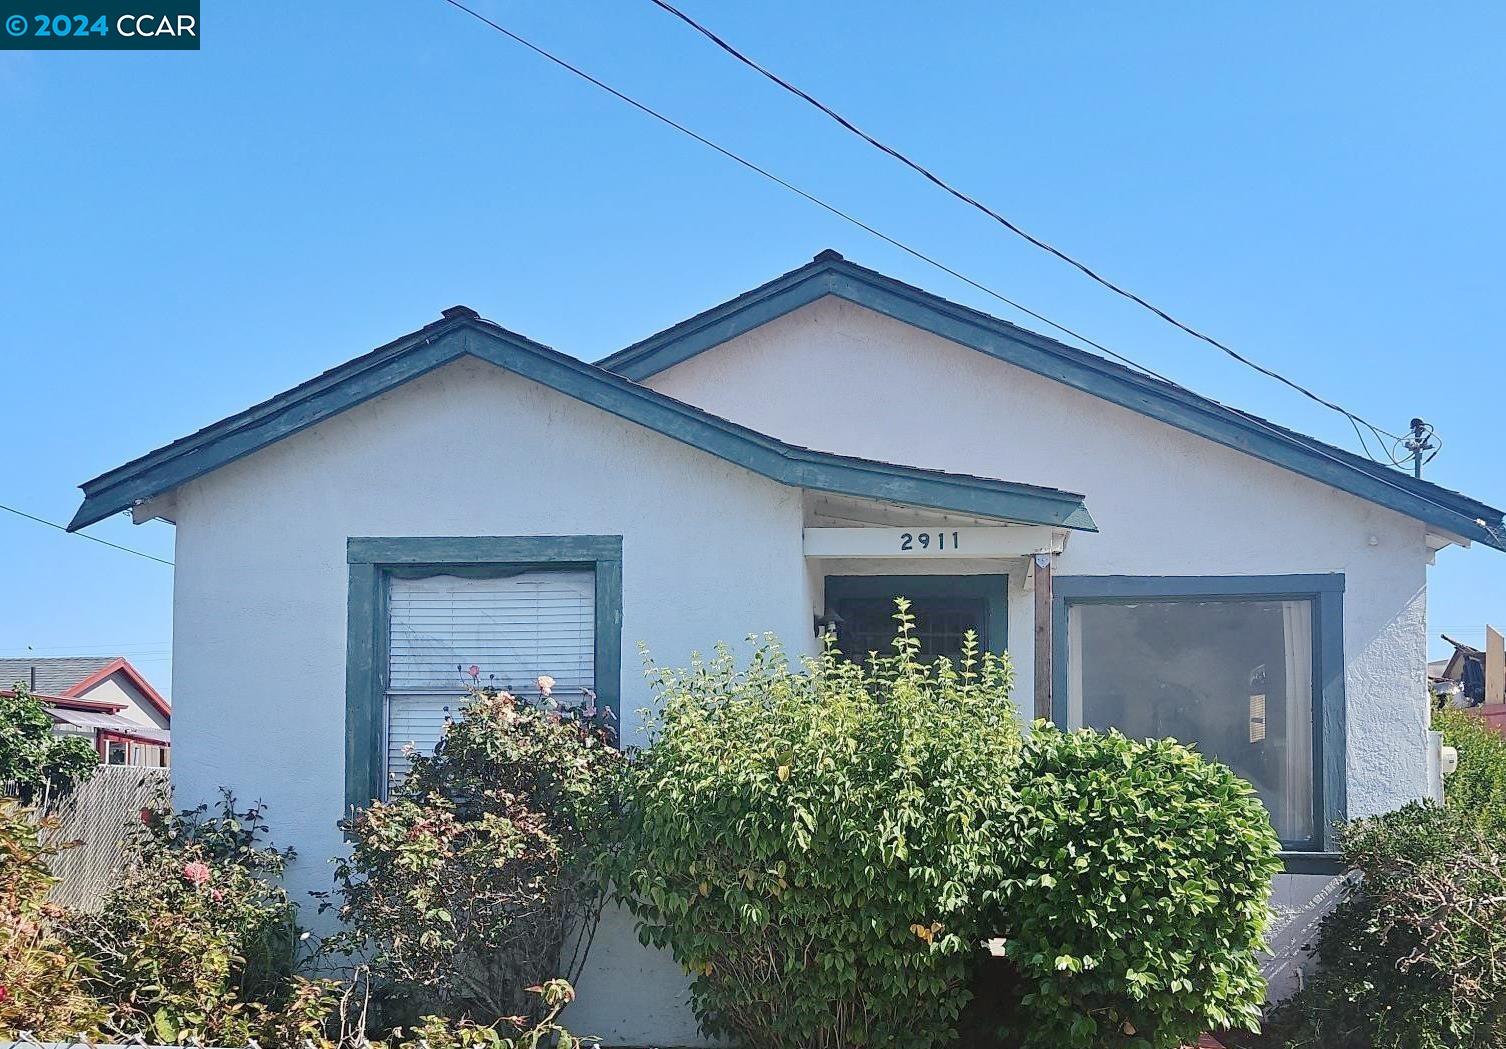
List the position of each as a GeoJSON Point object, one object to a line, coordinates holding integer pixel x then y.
{"type": "Point", "coordinates": [923, 541]}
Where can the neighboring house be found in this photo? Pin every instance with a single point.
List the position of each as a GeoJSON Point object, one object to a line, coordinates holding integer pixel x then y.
{"type": "Point", "coordinates": [462, 495]}
{"type": "Point", "coordinates": [1461, 677]}
{"type": "Point", "coordinates": [103, 698]}
{"type": "Point", "coordinates": [1474, 679]}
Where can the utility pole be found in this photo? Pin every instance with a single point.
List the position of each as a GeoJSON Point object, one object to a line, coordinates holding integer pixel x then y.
{"type": "Point", "coordinates": [1419, 444]}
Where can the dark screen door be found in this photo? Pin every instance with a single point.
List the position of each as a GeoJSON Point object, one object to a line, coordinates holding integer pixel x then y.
{"type": "Point", "coordinates": [945, 608]}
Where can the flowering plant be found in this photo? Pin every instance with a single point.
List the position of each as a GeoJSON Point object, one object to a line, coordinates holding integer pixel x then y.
{"type": "Point", "coordinates": [39, 973]}
{"type": "Point", "coordinates": [474, 880]}
{"type": "Point", "coordinates": [198, 941]}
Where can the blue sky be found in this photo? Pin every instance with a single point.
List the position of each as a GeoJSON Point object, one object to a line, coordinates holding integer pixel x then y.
{"type": "Point", "coordinates": [188, 233]}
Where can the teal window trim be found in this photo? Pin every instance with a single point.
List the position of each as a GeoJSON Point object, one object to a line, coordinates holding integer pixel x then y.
{"type": "Point", "coordinates": [993, 589]}
{"type": "Point", "coordinates": [373, 561]}
{"type": "Point", "coordinates": [1325, 591]}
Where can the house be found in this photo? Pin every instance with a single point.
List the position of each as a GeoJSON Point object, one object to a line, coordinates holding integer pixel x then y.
{"type": "Point", "coordinates": [794, 457]}
{"type": "Point", "coordinates": [103, 698]}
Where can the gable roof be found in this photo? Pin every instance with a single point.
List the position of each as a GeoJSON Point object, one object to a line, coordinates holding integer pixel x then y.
{"type": "Point", "coordinates": [62, 680]}
{"type": "Point", "coordinates": [461, 332]}
{"type": "Point", "coordinates": [830, 274]}
{"type": "Point", "coordinates": [123, 667]}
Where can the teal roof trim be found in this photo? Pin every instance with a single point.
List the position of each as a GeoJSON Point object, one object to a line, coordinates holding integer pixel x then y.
{"type": "Point", "coordinates": [830, 274]}
{"type": "Point", "coordinates": [462, 333]}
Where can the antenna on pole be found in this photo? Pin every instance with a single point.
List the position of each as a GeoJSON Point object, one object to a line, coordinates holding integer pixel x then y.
{"type": "Point", "coordinates": [1419, 444]}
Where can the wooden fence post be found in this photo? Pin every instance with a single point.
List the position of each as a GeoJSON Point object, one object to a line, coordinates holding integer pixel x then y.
{"type": "Point", "coordinates": [1043, 643]}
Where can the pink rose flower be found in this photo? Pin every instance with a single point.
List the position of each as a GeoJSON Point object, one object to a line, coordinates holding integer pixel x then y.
{"type": "Point", "coordinates": [195, 873]}
{"type": "Point", "coordinates": [474, 671]}
{"type": "Point", "coordinates": [546, 685]}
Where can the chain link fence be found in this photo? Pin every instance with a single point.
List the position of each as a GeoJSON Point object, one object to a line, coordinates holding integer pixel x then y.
{"type": "Point", "coordinates": [98, 816]}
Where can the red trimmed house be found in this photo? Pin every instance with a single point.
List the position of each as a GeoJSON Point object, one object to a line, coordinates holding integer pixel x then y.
{"type": "Point", "coordinates": [104, 698]}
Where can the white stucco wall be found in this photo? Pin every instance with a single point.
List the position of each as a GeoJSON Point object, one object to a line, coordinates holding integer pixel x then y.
{"type": "Point", "coordinates": [842, 378]}
{"type": "Point", "coordinates": [710, 553]}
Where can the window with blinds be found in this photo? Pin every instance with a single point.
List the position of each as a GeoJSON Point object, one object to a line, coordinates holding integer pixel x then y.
{"type": "Point", "coordinates": [514, 628]}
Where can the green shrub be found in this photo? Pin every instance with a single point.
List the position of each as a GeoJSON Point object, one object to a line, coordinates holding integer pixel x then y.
{"type": "Point", "coordinates": [1135, 893]}
{"type": "Point", "coordinates": [476, 881]}
{"type": "Point", "coordinates": [35, 762]}
{"type": "Point", "coordinates": [1414, 957]}
{"type": "Point", "coordinates": [811, 842]}
{"type": "Point", "coordinates": [199, 941]}
{"type": "Point", "coordinates": [40, 975]}
{"type": "Point", "coordinates": [1477, 789]}
{"type": "Point", "coordinates": [438, 1032]}
{"type": "Point", "coordinates": [199, 945]}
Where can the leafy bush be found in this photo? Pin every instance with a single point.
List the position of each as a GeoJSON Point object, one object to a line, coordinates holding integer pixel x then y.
{"type": "Point", "coordinates": [199, 941]}
{"type": "Point", "coordinates": [1409, 957]}
{"type": "Point", "coordinates": [1477, 789]}
{"type": "Point", "coordinates": [1135, 893]}
{"type": "Point", "coordinates": [437, 1032]}
{"type": "Point", "coordinates": [1414, 957]}
{"type": "Point", "coordinates": [198, 944]}
{"type": "Point", "coordinates": [40, 976]}
{"type": "Point", "coordinates": [810, 842]}
{"type": "Point", "coordinates": [475, 881]}
{"type": "Point", "coordinates": [34, 761]}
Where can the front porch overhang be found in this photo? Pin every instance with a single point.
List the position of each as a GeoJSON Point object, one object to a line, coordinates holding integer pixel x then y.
{"type": "Point", "coordinates": [844, 536]}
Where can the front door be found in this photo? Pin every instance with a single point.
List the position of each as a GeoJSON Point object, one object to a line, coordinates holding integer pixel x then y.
{"type": "Point", "coordinates": [945, 608]}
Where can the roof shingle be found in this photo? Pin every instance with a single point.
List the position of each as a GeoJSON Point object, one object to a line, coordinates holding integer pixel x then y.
{"type": "Point", "coordinates": [50, 677]}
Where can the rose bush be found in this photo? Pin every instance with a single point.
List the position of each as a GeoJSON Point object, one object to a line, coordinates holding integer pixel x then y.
{"type": "Point", "coordinates": [199, 941]}
{"type": "Point", "coordinates": [475, 881]}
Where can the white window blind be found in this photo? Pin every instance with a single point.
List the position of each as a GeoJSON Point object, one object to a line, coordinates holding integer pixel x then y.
{"type": "Point", "coordinates": [513, 628]}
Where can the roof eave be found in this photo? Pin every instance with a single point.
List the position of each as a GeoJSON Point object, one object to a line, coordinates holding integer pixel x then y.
{"type": "Point", "coordinates": [405, 359]}
{"type": "Point", "coordinates": [831, 275]}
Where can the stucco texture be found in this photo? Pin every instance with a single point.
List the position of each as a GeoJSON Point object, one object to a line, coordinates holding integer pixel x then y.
{"type": "Point", "coordinates": [836, 376]}
{"type": "Point", "coordinates": [710, 552]}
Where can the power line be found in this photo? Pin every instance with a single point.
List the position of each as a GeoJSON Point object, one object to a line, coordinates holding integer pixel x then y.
{"type": "Point", "coordinates": [1354, 420]}
{"type": "Point", "coordinates": [85, 535]}
{"type": "Point", "coordinates": [1253, 420]}
{"type": "Point", "coordinates": [812, 198]}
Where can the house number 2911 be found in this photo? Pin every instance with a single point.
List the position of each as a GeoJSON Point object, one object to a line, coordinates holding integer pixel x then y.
{"type": "Point", "coordinates": [928, 540]}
